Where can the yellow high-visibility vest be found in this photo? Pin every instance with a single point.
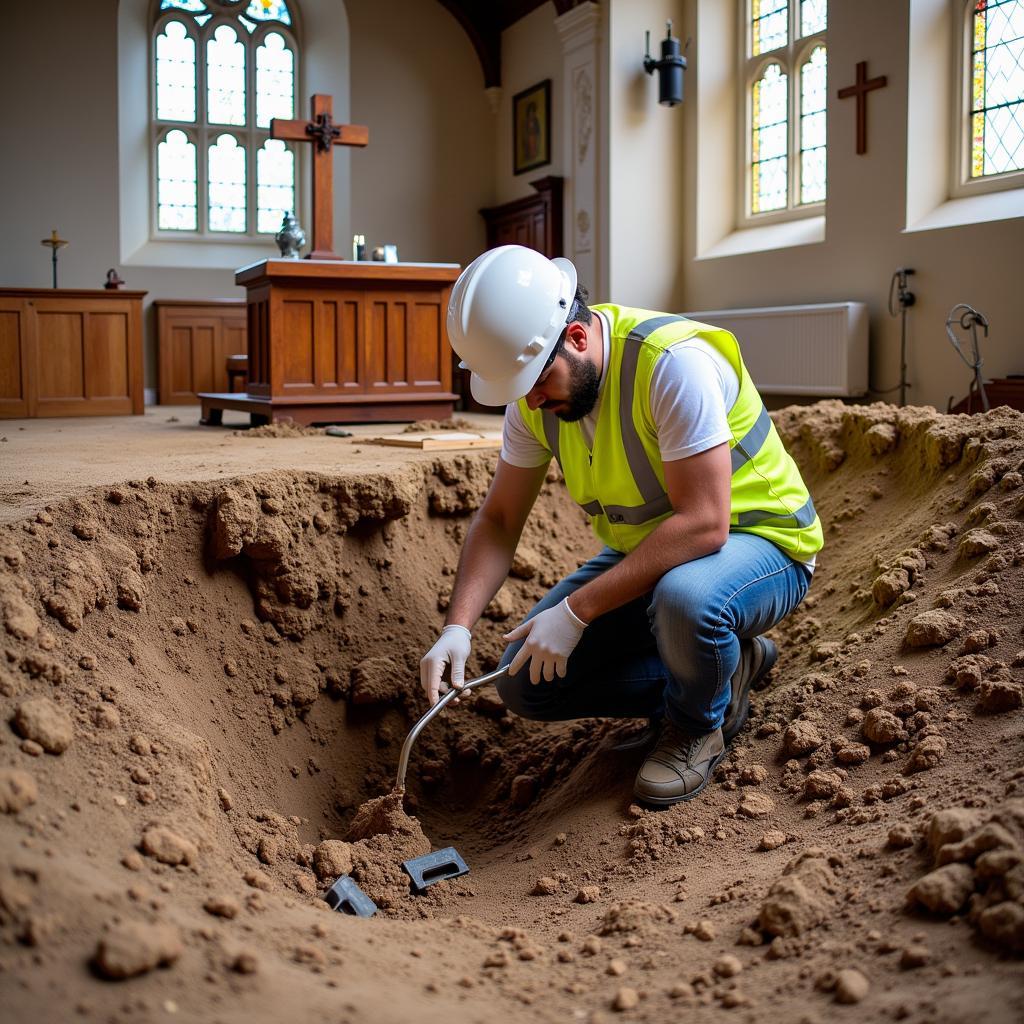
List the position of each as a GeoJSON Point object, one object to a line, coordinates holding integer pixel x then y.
{"type": "Point", "coordinates": [621, 483]}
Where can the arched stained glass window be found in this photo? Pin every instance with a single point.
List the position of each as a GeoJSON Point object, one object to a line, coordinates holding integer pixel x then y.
{"type": "Point", "coordinates": [227, 185]}
{"type": "Point", "coordinates": [769, 22]}
{"type": "Point", "coordinates": [175, 73]}
{"type": "Point", "coordinates": [225, 77]}
{"type": "Point", "coordinates": [768, 141]}
{"type": "Point", "coordinates": [997, 87]}
{"type": "Point", "coordinates": [275, 172]}
{"type": "Point", "coordinates": [177, 204]}
{"type": "Point", "coordinates": [812, 127]}
{"type": "Point", "coordinates": [222, 70]}
{"type": "Point", "coordinates": [275, 80]}
{"type": "Point", "coordinates": [785, 90]}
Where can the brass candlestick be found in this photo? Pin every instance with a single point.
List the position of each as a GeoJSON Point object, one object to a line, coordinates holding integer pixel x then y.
{"type": "Point", "coordinates": [55, 242]}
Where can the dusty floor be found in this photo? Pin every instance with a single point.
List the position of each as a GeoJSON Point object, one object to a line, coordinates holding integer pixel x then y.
{"type": "Point", "coordinates": [209, 663]}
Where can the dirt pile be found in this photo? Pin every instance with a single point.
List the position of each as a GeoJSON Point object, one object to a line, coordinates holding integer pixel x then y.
{"type": "Point", "coordinates": [202, 683]}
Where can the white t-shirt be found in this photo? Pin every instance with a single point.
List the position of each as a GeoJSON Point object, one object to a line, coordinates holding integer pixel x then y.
{"type": "Point", "coordinates": [693, 389]}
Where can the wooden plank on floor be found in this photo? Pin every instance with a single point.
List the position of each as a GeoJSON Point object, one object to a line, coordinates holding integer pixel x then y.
{"type": "Point", "coordinates": [440, 441]}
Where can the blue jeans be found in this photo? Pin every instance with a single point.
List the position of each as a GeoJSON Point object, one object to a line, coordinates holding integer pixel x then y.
{"type": "Point", "coordinates": [672, 651]}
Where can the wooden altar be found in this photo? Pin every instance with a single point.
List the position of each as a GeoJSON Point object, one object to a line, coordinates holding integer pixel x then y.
{"type": "Point", "coordinates": [333, 341]}
{"type": "Point", "coordinates": [70, 352]}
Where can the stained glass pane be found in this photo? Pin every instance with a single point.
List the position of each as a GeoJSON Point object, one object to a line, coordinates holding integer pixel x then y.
{"type": "Point", "coordinates": [269, 10]}
{"type": "Point", "coordinates": [769, 122]}
{"type": "Point", "coordinates": [997, 87]}
{"type": "Point", "coordinates": [195, 6]}
{"type": "Point", "coordinates": [175, 74]}
{"type": "Point", "coordinates": [176, 202]}
{"type": "Point", "coordinates": [813, 94]}
{"type": "Point", "coordinates": [227, 185]}
{"type": "Point", "coordinates": [769, 22]}
{"type": "Point", "coordinates": [275, 185]}
{"type": "Point", "coordinates": [813, 16]}
{"type": "Point", "coordinates": [275, 80]}
{"type": "Point", "coordinates": [225, 64]}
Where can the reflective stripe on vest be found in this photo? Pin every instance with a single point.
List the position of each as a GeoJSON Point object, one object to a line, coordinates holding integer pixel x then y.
{"type": "Point", "coordinates": [803, 516]}
{"type": "Point", "coordinates": [656, 500]}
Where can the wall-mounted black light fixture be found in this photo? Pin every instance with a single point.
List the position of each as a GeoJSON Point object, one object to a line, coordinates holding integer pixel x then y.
{"type": "Point", "coordinates": [670, 68]}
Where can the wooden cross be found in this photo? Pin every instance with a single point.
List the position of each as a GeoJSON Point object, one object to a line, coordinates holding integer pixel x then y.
{"type": "Point", "coordinates": [860, 89]}
{"type": "Point", "coordinates": [324, 134]}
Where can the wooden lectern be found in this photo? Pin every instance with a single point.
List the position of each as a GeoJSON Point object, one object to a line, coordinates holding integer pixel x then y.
{"type": "Point", "coordinates": [335, 341]}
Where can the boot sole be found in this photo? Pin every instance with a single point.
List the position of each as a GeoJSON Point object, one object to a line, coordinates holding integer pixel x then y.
{"type": "Point", "coordinates": [770, 655]}
{"type": "Point", "coordinates": [667, 801]}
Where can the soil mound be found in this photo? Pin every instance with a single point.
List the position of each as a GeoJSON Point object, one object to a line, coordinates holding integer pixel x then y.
{"type": "Point", "coordinates": [205, 689]}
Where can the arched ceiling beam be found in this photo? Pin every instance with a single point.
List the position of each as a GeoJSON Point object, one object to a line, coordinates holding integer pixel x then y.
{"type": "Point", "coordinates": [484, 21]}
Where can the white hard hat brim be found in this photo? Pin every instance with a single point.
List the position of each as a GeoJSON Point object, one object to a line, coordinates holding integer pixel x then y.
{"type": "Point", "coordinates": [511, 389]}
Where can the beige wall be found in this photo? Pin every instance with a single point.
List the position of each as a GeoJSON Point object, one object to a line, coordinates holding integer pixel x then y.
{"type": "Point", "coordinates": [643, 163]}
{"type": "Point", "coordinates": [530, 52]}
{"type": "Point", "coordinates": [866, 215]}
{"type": "Point", "coordinates": [417, 83]}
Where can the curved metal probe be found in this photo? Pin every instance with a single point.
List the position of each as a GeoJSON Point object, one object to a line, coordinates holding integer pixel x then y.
{"type": "Point", "coordinates": [452, 694]}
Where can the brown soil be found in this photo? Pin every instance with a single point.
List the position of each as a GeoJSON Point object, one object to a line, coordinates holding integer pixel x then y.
{"type": "Point", "coordinates": [203, 681]}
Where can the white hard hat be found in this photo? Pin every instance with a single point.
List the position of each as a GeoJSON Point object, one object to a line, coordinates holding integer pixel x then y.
{"type": "Point", "coordinates": [507, 310]}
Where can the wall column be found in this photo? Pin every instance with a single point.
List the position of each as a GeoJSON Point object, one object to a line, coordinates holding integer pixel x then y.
{"type": "Point", "coordinates": [579, 30]}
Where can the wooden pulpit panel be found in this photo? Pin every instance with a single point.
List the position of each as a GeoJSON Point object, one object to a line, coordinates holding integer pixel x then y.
{"type": "Point", "coordinates": [431, 352]}
{"type": "Point", "coordinates": [13, 376]}
{"type": "Point", "coordinates": [297, 356]}
{"type": "Point", "coordinates": [385, 342]}
{"type": "Point", "coordinates": [61, 370]}
{"type": "Point", "coordinates": [341, 338]}
{"type": "Point", "coordinates": [105, 355]}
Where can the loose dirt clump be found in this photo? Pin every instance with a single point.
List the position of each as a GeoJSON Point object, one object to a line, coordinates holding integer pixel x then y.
{"type": "Point", "coordinates": [205, 687]}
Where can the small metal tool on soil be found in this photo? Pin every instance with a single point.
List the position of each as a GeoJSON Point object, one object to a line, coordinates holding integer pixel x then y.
{"type": "Point", "coordinates": [347, 898]}
{"type": "Point", "coordinates": [440, 864]}
{"type": "Point", "coordinates": [434, 867]}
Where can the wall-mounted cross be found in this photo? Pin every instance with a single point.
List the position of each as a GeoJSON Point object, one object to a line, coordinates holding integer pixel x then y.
{"type": "Point", "coordinates": [324, 134]}
{"type": "Point", "coordinates": [860, 89]}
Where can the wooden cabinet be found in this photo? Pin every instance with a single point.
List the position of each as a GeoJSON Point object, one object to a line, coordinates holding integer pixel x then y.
{"type": "Point", "coordinates": [67, 352]}
{"type": "Point", "coordinates": [343, 342]}
{"type": "Point", "coordinates": [194, 340]}
{"type": "Point", "coordinates": [534, 221]}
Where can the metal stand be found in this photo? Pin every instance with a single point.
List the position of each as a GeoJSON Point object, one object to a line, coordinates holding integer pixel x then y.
{"type": "Point", "coordinates": [970, 319]}
{"type": "Point", "coordinates": [905, 298]}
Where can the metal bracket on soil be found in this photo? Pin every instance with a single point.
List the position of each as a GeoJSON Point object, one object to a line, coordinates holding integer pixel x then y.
{"type": "Point", "coordinates": [434, 867]}
{"type": "Point", "coordinates": [347, 898]}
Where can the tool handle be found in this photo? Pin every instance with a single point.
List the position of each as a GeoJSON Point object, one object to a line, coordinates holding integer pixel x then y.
{"type": "Point", "coordinates": [452, 694]}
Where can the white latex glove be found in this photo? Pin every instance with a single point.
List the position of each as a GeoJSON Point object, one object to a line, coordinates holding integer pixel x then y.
{"type": "Point", "coordinates": [452, 648]}
{"type": "Point", "coordinates": [551, 637]}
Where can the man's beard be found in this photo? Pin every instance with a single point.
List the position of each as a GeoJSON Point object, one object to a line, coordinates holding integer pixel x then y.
{"type": "Point", "coordinates": [584, 388]}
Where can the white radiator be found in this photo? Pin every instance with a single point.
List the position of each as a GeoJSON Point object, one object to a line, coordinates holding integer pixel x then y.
{"type": "Point", "coordinates": [801, 350]}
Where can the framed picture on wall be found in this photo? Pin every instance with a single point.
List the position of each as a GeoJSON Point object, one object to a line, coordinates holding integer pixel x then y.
{"type": "Point", "coordinates": [531, 127]}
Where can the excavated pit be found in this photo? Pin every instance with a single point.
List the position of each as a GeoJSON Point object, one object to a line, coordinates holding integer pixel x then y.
{"type": "Point", "coordinates": [206, 684]}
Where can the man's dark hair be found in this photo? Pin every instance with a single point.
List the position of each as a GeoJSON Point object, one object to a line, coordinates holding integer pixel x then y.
{"type": "Point", "coordinates": [578, 311]}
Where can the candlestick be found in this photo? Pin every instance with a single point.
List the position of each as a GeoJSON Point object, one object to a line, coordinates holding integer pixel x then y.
{"type": "Point", "coordinates": [55, 242]}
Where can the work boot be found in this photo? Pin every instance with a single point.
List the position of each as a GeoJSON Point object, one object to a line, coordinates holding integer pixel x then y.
{"type": "Point", "coordinates": [679, 766]}
{"type": "Point", "coordinates": [757, 656]}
